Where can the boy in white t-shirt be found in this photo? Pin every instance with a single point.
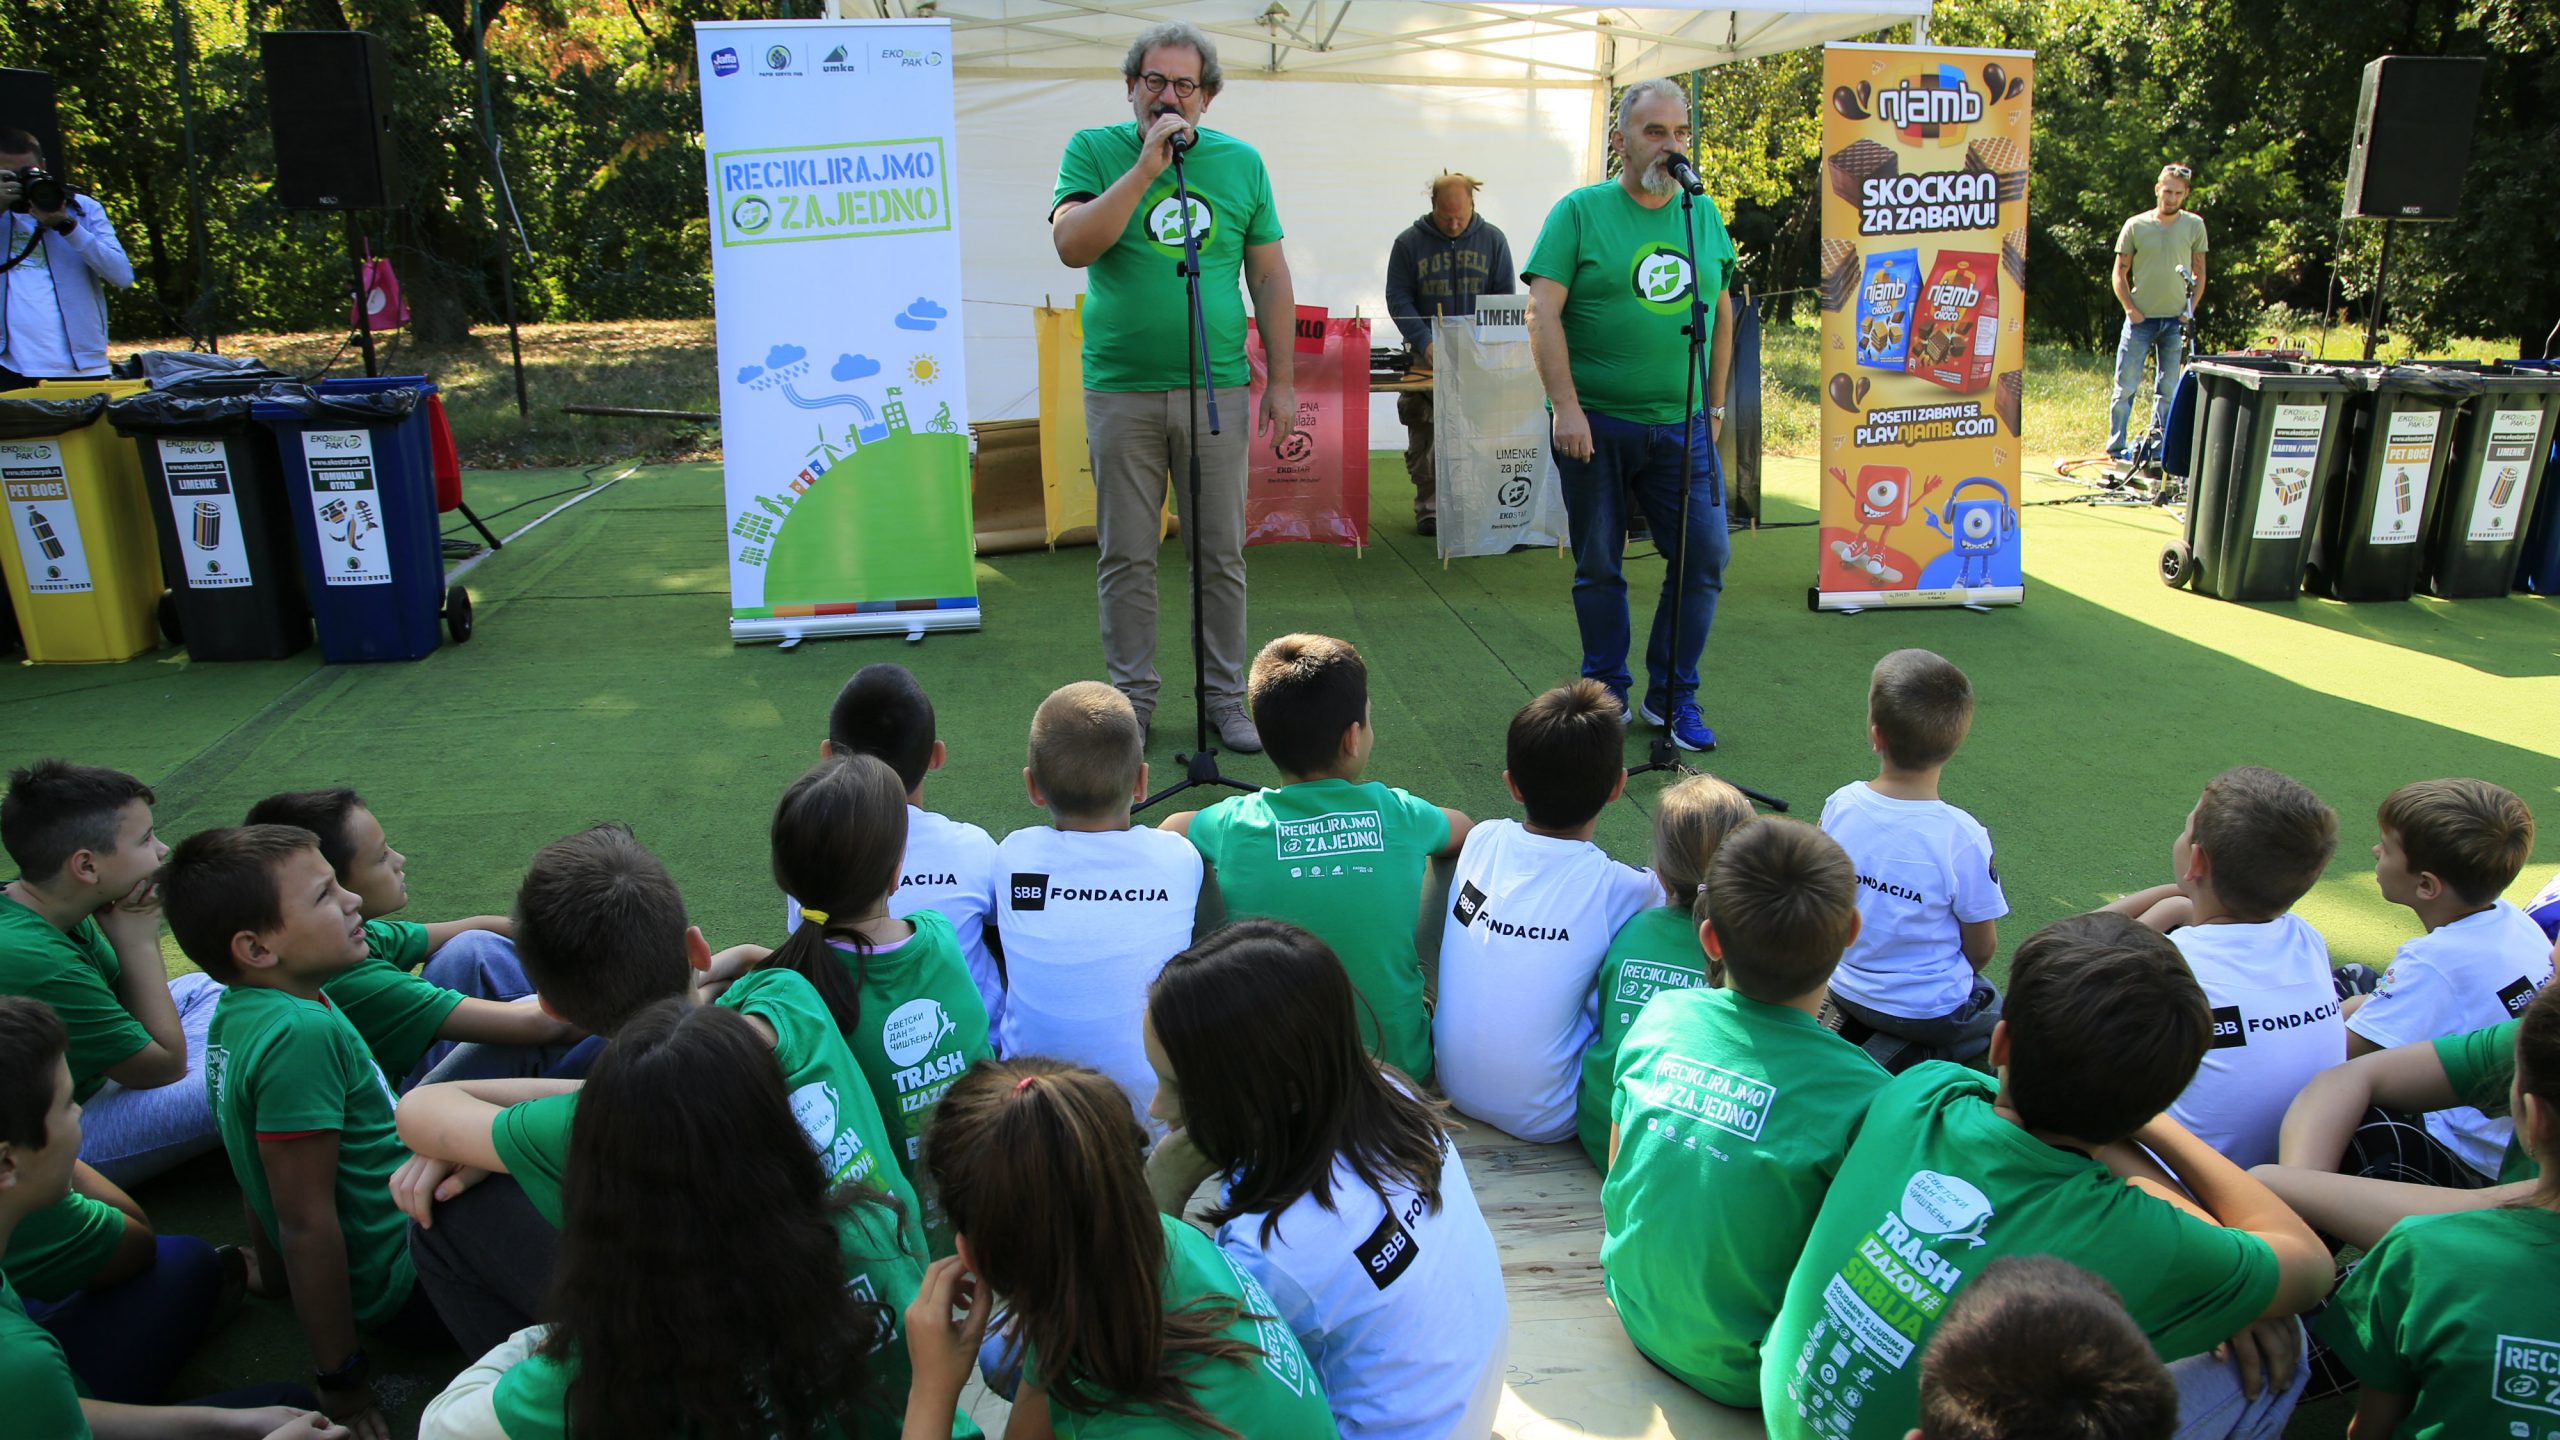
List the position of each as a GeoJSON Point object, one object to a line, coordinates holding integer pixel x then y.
{"type": "Point", "coordinates": [2254, 844]}
{"type": "Point", "coordinates": [1093, 905]}
{"type": "Point", "coordinates": [950, 865]}
{"type": "Point", "coordinates": [1929, 896]}
{"type": "Point", "coordinates": [2449, 849]}
{"type": "Point", "coordinates": [1532, 910]}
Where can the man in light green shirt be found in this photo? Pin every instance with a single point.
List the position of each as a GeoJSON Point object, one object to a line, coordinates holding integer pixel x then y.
{"type": "Point", "coordinates": [2152, 250]}
{"type": "Point", "coordinates": [1116, 215]}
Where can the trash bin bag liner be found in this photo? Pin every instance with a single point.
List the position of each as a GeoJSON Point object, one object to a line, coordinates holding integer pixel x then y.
{"type": "Point", "coordinates": [179, 367]}
{"type": "Point", "coordinates": [33, 419]}
{"type": "Point", "coordinates": [2435, 384]}
{"type": "Point", "coordinates": [161, 412]}
{"type": "Point", "coordinates": [378, 407]}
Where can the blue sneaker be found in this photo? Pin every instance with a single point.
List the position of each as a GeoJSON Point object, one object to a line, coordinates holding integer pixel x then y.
{"type": "Point", "coordinates": [1688, 728]}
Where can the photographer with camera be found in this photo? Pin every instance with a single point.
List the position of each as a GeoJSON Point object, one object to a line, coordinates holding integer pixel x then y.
{"type": "Point", "coordinates": [62, 253]}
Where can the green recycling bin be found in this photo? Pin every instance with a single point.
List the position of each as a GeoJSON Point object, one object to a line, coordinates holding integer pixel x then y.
{"type": "Point", "coordinates": [2373, 525]}
{"type": "Point", "coordinates": [2491, 481]}
{"type": "Point", "coordinates": [2268, 443]}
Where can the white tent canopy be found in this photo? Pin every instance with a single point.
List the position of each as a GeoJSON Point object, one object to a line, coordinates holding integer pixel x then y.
{"type": "Point", "coordinates": [1380, 96]}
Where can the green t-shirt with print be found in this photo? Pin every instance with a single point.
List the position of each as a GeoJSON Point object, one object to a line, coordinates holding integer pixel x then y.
{"type": "Point", "coordinates": [55, 1252]}
{"type": "Point", "coordinates": [1656, 950]}
{"type": "Point", "coordinates": [532, 1141]}
{"type": "Point", "coordinates": [44, 1396]}
{"type": "Point", "coordinates": [1274, 1396]}
{"type": "Point", "coordinates": [1346, 860]}
{"type": "Point", "coordinates": [1625, 271]}
{"type": "Point", "coordinates": [76, 974]}
{"type": "Point", "coordinates": [1732, 1118]}
{"type": "Point", "coordinates": [396, 1012]}
{"type": "Point", "coordinates": [1135, 313]}
{"type": "Point", "coordinates": [1938, 1185]}
{"type": "Point", "coordinates": [922, 1026]}
{"type": "Point", "coordinates": [532, 1399]}
{"type": "Point", "coordinates": [278, 1065]}
{"type": "Point", "coordinates": [2481, 1065]}
{"type": "Point", "coordinates": [2414, 1319]}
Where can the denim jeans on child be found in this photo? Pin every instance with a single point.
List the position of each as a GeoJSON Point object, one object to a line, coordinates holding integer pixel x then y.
{"type": "Point", "coordinates": [131, 1135]}
{"type": "Point", "coordinates": [2158, 340]}
{"type": "Point", "coordinates": [482, 964]}
{"type": "Point", "coordinates": [1636, 467]}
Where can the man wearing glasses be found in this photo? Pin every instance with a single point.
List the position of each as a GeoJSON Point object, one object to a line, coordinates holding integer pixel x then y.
{"type": "Point", "coordinates": [2150, 251]}
{"type": "Point", "coordinates": [1115, 215]}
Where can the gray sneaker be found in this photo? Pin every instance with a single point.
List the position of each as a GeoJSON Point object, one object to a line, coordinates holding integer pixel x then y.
{"type": "Point", "coordinates": [1235, 727]}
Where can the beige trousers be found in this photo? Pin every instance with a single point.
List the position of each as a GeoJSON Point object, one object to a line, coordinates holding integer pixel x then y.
{"type": "Point", "coordinates": [1140, 441]}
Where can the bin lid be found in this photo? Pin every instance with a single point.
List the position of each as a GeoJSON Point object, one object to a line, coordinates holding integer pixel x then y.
{"type": "Point", "coordinates": [164, 368]}
{"type": "Point", "coordinates": [2289, 378]}
{"type": "Point", "coordinates": [2431, 382]}
{"type": "Point", "coordinates": [31, 419]}
{"type": "Point", "coordinates": [301, 402]}
{"type": "Point", "coordinates": [168, 412]}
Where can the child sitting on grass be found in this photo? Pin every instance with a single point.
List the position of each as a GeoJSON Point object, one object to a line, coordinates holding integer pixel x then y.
{"type": "Point", "coordinates": [2254, 844]}
{"type": "Point", "coordinates": [1929, 897]}
{"type": "Point", "coordinates": [304, 1110]}
{"type": "Point", "coordinates": [1532, 909]}
{"type": "Point", "coordinates": [1658, 949]}
{"type": "Point", "coordinates": [1094, 905]}
{"type": "Point", "coordinates": [2037, 1348]}
{"type": "Point", "coordinates": [471, 972]}
{"type": "Point", "coordinates": [1324, 850]}
{"type": "Point", "coordinates": [898, 990]}
{"type": "Point", "coordinates": [1733, 1109]}
{"type": "Point", "coordinates": [2448, 1319]}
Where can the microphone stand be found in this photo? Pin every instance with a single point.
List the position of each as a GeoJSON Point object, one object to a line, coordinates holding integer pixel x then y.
{"type": "Point", "coordinates": [1664, 757]}
{"type": "Point", "coordinates": [1200, 764]}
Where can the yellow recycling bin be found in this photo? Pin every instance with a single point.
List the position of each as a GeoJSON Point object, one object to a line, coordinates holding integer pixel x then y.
{"type": "Point", "coordinates": [82, 560]}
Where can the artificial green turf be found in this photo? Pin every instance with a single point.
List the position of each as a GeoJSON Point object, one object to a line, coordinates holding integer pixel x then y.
{"type": "Point", "coordinates": [602, 685]}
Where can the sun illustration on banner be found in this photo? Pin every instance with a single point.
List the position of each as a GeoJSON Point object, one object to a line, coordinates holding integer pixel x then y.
{"type": "Point", "coordinates": [924, 369]}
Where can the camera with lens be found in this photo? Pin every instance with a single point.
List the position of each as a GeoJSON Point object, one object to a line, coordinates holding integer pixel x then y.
{"type": "Point", "coordinates": [39, 189]}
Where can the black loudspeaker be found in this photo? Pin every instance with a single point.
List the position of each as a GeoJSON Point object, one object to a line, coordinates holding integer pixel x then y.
{"type": "Point", "coordinates": [329, 104]}
{"type": "Point", "coordinates": [2413, 138]}
{"type": "Point", "coordinates": [26, 103]}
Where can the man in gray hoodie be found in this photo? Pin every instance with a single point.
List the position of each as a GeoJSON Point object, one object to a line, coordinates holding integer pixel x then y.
{"type": "Point", "coordinates": [1439, 265]}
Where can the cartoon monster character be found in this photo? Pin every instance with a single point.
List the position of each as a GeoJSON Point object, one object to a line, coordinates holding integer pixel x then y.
{"type": "Point", "coordinates": [1881, 500]}
{"type": "Point", "coordinates": [1978, 529]}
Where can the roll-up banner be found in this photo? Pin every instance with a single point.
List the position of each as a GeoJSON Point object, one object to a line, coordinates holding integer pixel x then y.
{"type": "Point", "coordinates": [1923, 294]}
{"type": "Point", "coordinates": [835, 271]}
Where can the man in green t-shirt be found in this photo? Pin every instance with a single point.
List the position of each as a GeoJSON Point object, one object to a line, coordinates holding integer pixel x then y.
{"type": "Point", "coordinates": [1116, 215]}
{"type": "Point", "coordinates": [1612, 293]}
{"type": "Point", "coordinates": [2156, 252]}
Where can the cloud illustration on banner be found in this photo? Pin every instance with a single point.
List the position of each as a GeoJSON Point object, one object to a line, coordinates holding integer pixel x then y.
{"type": "Point", "coordinates": [854, 367]}
{"type": "Point", "coordinates": [920, 316]}
{"type": "Point", "coordinates": [781, 355]}
{"type": "Point", "coordinates": [748, 373]}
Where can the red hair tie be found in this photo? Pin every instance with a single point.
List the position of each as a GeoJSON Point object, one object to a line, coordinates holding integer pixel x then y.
{"type": "Point", "coordinates": [1023, 1084]}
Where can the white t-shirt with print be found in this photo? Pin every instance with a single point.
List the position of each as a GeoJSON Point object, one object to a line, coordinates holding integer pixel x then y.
{"type": "Point", "coordinates": [1924, 872]}
{"type": "Point", "coordinates": [1089, 917]}
{"type": "Point", "coordinates": [2479, 971]}
{"type": "Point", "coordinates": [2275, 1025]}
{"type": "Point", "coordinates": [950, 867]}
{"type": "Point", "coordinates": [1530, 919]}
{"type": "Point", "coordinates": [1400, 1307]}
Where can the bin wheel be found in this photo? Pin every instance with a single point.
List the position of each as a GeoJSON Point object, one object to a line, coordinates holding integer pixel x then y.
{"type": "Point", "coordinates": [2177, 564]}
{"type": "Point", "coordinates": [171, 627]}
{"type": "Point", "coordinates": [457, 613]}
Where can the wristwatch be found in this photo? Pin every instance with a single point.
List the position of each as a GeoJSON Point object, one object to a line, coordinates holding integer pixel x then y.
{"type": "Point", "coordinates": [1715, 412]}
{"type": "Point", "coordinates": [63, 227]}
{"type": "Point", "coordinates": [349, 1375]}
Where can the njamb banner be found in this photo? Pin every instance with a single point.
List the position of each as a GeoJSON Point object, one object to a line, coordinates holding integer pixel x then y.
{"type": "Point", "coordinates": [1923, 294]}
{"type": "Point", "coordinates": [835, 271]}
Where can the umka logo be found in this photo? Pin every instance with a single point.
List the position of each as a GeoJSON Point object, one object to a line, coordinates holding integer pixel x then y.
{"type": "Point", "coordinates": [724, 61]}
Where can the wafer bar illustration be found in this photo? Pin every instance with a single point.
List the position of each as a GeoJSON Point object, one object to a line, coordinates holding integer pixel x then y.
{"type": "Point", "coordinates": [2013, 257]}
{"type": "Point", "coordinates": [2008, 396]}
{"type": "Point", "coordinates": [1839, 273]}
{"type": "Point", "coordinates": [1999, 158]}
{"type": "Point", "coordinates": [1858, 163]}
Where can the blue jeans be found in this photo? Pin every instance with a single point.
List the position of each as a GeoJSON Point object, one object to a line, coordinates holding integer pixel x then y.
{"type": "Point", "coordinates": [2212, 1406]}
{"type": "Point", "coordinates": [482, 964]}
{"type": "Point", "coordinates": [128, 1341]}
{"type": "Point", "coordinates": [1640, 467]}
{"type": "Point", "coordinates": [2157, 339]}
{"type": "Point", "coordinates": [130, 1136]}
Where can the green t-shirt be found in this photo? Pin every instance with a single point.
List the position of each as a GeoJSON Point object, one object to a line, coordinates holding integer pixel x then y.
{"type": "Point", "coordinates": [923, 1025]}
{"type": "Point", "coordinates": [44, 1396]}
{"type": "Point", "coordinates": [532, 1399]}
{"type": "Point", "coordinates": [828, 1095]}
{"type": "Point", "coordinates": [276, 1065]}
{"type": "Point", "coordinates": [2158, 250]}
{"type": "Point", "coordinates": [2481, 1064]}
{"type": "Point", "coordinates": [1938, 1185]}
{"type": "Point", "coordinates": [1135, 314]}
{"type": "Point", "coordinates": [76, 974]}
{"type": "Point", "coordinates": [1625, 271]}
{"type": "Point", "coordinates": [1657, 950]}
{"type": "Point", "coordinates": [1732, 1118]}
{"type": "Point", "coordinates": [1276, 1396]}
{"type": "Point", "coordinates": [54, 1252]}
{"type": "Point", "coordinates": [396, 1012]}
{"type": "Point", "coordinates": [2415, 1319]}
{"type": "Point", "coordinates": [1345, 859]}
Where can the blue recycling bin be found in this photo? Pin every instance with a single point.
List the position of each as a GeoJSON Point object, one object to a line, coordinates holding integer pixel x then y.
{"type": "Point", "coordinates": [360, 478]}
{"type": "Point", "coordinates": [2538, 572]}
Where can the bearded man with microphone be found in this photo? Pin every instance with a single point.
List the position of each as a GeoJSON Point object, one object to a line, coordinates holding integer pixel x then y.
{"type": "Point", "coordinates": [1610, 295]}
{"type": "Point", "coordinates": [1116, 215]}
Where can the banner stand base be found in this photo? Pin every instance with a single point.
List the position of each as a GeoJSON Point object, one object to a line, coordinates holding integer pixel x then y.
{"type": "Point", "coordinates": [1979, 597]}
{"type": "Point", "coordinates": [783, 628]}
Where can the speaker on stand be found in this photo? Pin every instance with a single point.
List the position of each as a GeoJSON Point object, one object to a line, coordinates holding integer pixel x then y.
{"type": "Point", "coordinates": [329, 106]}
{"type": "Point", "coordinates": [2412, 147]}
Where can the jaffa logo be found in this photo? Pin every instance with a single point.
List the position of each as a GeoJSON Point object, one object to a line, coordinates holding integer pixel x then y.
{"type": "Point", "coordinates": [724, 61]}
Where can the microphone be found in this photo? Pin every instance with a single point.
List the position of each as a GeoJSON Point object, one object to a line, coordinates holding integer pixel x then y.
{"type": "Point", "coordinates": [1181, 141]}
{"type": "Point", "coordinates": [1685, 173]}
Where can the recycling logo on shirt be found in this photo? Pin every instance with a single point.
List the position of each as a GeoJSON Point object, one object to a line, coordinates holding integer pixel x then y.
{"type": "Point", "coordinates": [1163, 220]}
{"type": "Point", "coordinates": [1662, 279]}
